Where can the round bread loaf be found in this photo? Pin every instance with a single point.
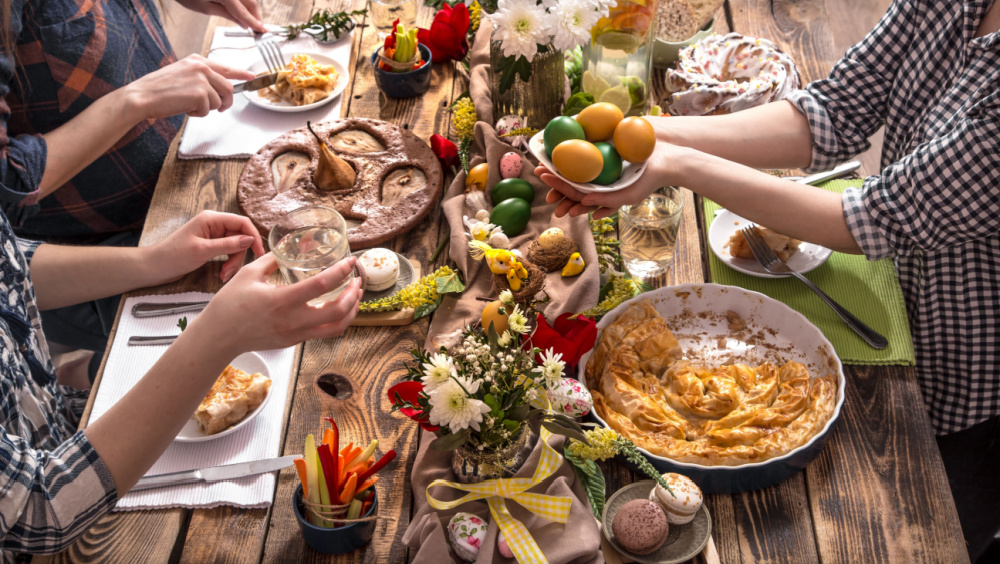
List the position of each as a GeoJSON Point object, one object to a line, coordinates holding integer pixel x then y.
{"type": "Point", "coordinates": [398, 179]}
{"type": "Point", "coordinates": [640, 526]}
{"type": "Point", "coordinates": [681, 507]}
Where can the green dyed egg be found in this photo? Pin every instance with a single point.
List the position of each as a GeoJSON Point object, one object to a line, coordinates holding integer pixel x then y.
{"type": "Point", "coordinates": [512, 188]}
{"type": "Point", "coordinates": [561, 129]}
{"type": "Point", "coordinates": [512, 215]}
{"type": "Point", "coordinates": [612, 170]}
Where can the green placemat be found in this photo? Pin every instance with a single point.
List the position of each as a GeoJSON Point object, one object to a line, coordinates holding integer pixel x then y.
{"type": "Point", "coordinates": [869, 290]}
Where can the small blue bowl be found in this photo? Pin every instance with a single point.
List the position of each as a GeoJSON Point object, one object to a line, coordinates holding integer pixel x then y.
{"type": "Point", "coordinates": [340, 540]}
{"type": "Point", "coordinates": [404, 84]}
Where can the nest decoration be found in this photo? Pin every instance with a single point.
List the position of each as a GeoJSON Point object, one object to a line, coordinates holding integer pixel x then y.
{"type": "Point", "coordinates": [529, 286]}
{"type": "Point", "coordinates": [553, 258]}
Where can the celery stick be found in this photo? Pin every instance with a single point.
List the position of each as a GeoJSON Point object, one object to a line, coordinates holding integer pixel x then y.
{"type": "Point", "coordinates": [354, 511]}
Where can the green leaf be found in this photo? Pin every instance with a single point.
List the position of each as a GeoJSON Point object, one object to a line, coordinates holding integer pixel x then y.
{"type": "Point", "coordinates": [494, 339]}
{"type": "Point", "coordinates": [578, 102]}
{"type": "Point", "coordinates": [519, 413]}
{"type": "Point", "coordinates": [560, 429]}
{"type": "Point", "coordinates": [510, 425]}
{"type": "Point", "coordinates": [593, 481]}
{"type": "Point", "coordinates": [424, 310]}
{"type": "Point", "coordinates": [605, 290]}
{"type": "Point", "coordinates": [451, 441]}
{"type": "Point", "coordinates": [182, 323]}
{"type": "Point", "coordinates": [450, 284]}
{"type": "Point", "coordinates": [510, 68]}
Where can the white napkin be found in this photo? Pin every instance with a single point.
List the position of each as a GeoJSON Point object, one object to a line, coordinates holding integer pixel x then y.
{"type": "Point", "coordinates": [244, 128]}
{"type": "Point", "coordinates": [258, 440]}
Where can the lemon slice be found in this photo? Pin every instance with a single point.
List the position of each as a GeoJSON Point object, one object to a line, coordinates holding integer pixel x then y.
{"type": "Point", "coordinates": [593, 84]}
{"type": "Point", "coordinates": [618, 41]}
{"type": "Point", "coordinates": [618, 96]}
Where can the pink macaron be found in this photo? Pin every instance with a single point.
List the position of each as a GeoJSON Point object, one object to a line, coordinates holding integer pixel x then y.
{"type": "Point", "coordinates": [640, 526]}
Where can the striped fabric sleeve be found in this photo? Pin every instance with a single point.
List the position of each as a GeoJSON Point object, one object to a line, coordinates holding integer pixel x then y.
{"type": "Point", "coordinates": [49, 499]}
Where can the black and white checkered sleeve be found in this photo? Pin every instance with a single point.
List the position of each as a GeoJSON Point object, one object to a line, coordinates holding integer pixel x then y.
{"type": "Point", "coordinates": [846, 108]}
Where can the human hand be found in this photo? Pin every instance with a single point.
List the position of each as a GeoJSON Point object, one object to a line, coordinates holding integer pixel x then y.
{"type": "Point", "coordinates": [251, 314]}
{"type": "Point", "coordinates": [243, 12]}
{"type": "Point", "coordinates": [193, 85]}
{"type": "Point", "coordinates": [207, 235]}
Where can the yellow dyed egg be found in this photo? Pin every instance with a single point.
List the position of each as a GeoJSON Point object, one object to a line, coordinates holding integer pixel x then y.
{"type": "Point", "coordinates": [635, 139]}
{"type": "Point", "coordinates": [476, 179]}
{"type": "Point", "coordinates": [495, 313]}
{"type": "Point", "coordinates": [577, 160]}
{"type": "Point", "coordinates": [599, 121]}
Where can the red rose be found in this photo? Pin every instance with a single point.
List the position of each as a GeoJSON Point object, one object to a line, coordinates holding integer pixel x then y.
{"type": "Point", "coordinates": [409, 392]}
{"type": "Point", "coordinates": [446, 152]}
{"type": "Point", "coordinates": [572, 337]}
{"type": "Point", "coordinates": [446, 37]}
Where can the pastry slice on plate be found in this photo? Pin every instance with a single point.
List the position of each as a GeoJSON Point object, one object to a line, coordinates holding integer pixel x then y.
{"type": "Point", "coordinates": [783, 246]}
{"type": "Point", "coordinates": [233, 396]}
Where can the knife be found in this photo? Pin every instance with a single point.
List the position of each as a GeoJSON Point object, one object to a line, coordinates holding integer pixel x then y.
{"type": "Point", "coordinates": [215, 473]}
{"type": "Point", "coordinates": [842, 170]}
{"type": "Point", "coordinates": [256, 84]}
{"type": "Point", "coordinates": [147, 309]}
{"type": "Point", "coordinates": [139, 341]}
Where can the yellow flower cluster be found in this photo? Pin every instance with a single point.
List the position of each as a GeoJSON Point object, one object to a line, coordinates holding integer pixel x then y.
{"type": "Point", "coordinates": [623, 288]}
{"type": "Point", "coordinates": [423, 291]}
{"type": "Point", "coordinates": [475, 16]}
{"type": "Point", "coordinates": [603, 445]}
{"type": "Point", "coordinates": [463, 118]}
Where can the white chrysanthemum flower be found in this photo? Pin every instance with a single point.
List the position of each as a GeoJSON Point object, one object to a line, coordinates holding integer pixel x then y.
{"type": "Point", "coordinates": [504, 339]}
{"type": "Point", "coordinates": [517, 322]}
{"type": "Point", "coordinates": [507, 298]}
{"type": "Point", "coordinates": [571, 21]}
{"type": "Point", "coordinates": [438, 372]}
{"type": "Point", "coordinates": [520, 27]}
{"type": "Point", "coordinates": [551, 368]}
{"type": "Point", "coordinates": [453, 408]}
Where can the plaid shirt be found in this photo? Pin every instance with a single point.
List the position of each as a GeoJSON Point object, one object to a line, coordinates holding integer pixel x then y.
{"type": "Point", "coordinates": [53, 485]}
{"type": "Point", "coordinates": [70, 53]}
{"type": "Point", "coordinates": [936, 205]}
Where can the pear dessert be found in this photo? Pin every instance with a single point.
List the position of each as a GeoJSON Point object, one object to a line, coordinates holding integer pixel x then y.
{"type": "Point", "coordinates": [333, 174]}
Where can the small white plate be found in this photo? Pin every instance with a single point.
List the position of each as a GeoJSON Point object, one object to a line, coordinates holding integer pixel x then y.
{"type": "Point", "coordinates": [249, 363]}
{"type": "Point", "coordinates": [260, 66]}
{"type": "Point", "coordinates": [630, 171]}
{"type": "Point", "coordinates": [726, 223]}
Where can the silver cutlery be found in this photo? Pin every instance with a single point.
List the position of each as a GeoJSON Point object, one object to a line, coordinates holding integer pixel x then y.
{"type": "Point", "coordinates": [215, 473]}
{"type": "Point", "coordinates": [147, 309]}
{"type": "Point", "coordinates": [315, 31]}
{"type": "Point", "coordinates": [270, 51]}
{"type": "Point", "coordinates": [143, 341]}
{"type": "Point", "coordinates": [767, 259]}
{"type": "Point", "coordinates": [837, 172]}
{"type": "Point", "coordinates": [256, 84]}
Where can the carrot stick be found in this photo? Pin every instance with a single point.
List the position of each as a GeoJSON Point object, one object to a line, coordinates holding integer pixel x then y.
{"type": "Point", "coordinates": [328, 436]}
{"type": "Point", "coordinates": [351, 455]}
{"type": "Point", "coordinates": [368, 483]}
{"type": "Point", "coordinates": [343, 469]}
{"type": "Point", "coordinates": [347, 450]}
{"type": "Point", "coordinates": [300, 467]}
{"type": "Point", "coordinates": [349, 487]}
{"type": "Point", "coordinates": [357, 468]}
{"type": "Point", "coordinates": [364, 508]}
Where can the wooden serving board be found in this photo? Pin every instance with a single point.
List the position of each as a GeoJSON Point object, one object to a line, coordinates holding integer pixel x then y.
{"type": "Point", "coordinates": [403, 317]}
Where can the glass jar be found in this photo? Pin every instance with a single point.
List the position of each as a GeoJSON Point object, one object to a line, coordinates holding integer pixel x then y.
{"type": "Point", "coordinates": [540, 98]}
{"type": "Point", "coordinates": [472, 465]}
{"type": "Point", "coordinates": [618, 60]}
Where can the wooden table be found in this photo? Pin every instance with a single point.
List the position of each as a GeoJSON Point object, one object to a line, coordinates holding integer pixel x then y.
{"type": "Point", "coordinates": [877, 492]}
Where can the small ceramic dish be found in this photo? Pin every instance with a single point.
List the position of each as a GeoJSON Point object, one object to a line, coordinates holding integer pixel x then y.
{"type": "Point", "coordinates": [630, 171]}
{"type": "Point", "coordinates": [683, 543]}
{"type": "Point", "coordinates": [665, 53]}
{"type": "Point", "coordinates": [727, 223]}
{"type": "Point", "coordinates": [406, 277]}
{"type": "Point", "coordinates": [403, 84]}
{"type": "Point", "coordinates": [249, 363]}
{"type": "Point", "coordinates": [282, 106]}
{"type": "Point", "coordinates": [338, 540]}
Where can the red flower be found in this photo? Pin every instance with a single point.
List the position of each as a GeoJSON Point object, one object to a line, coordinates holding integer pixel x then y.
{"type": "Point", "coordinates": [572, 337]}
{"type": "Point", "coordinates": [446, 152]}
{"type": "Point", "coordinates": [409, 392]}
{"type": "Point", "coordinates": [446, 37]}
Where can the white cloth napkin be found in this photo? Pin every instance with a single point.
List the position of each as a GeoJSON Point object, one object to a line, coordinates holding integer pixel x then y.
{"type": "Point", "coordinates": [260, 439]}
{"type": "Point", "coordinates": [244, 128]}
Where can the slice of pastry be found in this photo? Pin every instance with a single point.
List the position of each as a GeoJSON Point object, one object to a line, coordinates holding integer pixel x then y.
{"type": "Point", "coordinates": [232, 397]}
{"type": "Point", "coordinates": [783, 246]}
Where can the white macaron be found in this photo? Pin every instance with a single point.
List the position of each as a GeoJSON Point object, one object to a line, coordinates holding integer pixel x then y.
{"type": "Point", "coordinates": [684, 504]}
{"type": "Point", "coordinates": [381, 268]}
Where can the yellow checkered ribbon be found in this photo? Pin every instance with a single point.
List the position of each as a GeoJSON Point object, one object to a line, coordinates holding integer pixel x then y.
{"type": "Point", "coordinates": [553, 508]}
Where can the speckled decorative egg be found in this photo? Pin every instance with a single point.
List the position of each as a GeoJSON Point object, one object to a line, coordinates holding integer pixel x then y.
{"type": "Point", "coordinates": [467, 532]}
{"type": "Point", "coordinates": [510, 165]}
{"type": "Point", "coordinates": [503, 547]}
{"type": "Point", "coordinates": [568, 397]}
{"type": "Point", "coordinates": [508, 123]}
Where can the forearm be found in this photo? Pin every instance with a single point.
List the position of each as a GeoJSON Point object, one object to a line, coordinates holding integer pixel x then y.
{"type": "Point", "coordinates": [80, 141]}
{"type": "Point", "coordinates": [64, 275]}
{"type": "Point", "coordinates": [803, 212]}
{"type": "Point", "coordinates": [771, 136]}
{"type": "Point", "coordinates": [133, 434]}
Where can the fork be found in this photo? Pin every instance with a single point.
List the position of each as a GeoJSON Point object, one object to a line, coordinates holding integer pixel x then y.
{"type": "Point", "coordinates": [270, 51]}
{"type": "Point", "coordinates": [767, 259]}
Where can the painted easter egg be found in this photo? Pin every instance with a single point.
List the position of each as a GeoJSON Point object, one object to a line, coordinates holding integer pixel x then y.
{"type": "Point", "coordinates": [466, 532]}
{"type": "Point", "coordinates": [508, 123]}
{"type": "Point", "coordinates": [503, 547]}
{"type": "Point", "coordinates": [510, 165]}
{"type": "Point", "coordinates": [570, 397]}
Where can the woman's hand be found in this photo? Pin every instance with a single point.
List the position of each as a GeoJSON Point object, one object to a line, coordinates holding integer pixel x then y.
{"type": "Point", "coordinates": [243, 12]}
{"type": "Point", "coordinates": [251, 314]}
{"type": "Point", "coordinates": [193, 85]}
{"type": "Point", "coordinates": [206, 236]}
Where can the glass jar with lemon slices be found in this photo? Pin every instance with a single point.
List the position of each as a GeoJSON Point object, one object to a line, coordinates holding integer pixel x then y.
{"type": "Point", "coordinates": [618, 59]}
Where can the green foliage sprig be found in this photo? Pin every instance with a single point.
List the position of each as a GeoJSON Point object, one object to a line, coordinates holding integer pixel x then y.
{"type": "Point", "coordinates": [336, 23]}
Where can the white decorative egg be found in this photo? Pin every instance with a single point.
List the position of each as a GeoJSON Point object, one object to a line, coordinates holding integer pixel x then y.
{"type": "Point", "coordinates": [508, 123]}
{"type": "Point", "coordinates": [570, 397]}
{"type": "Point", "coordinates": [551, 237]}
{"type": "Point", "coordinates": [510, 165]}
{"type": "Point", "coordinates": [467, 532]}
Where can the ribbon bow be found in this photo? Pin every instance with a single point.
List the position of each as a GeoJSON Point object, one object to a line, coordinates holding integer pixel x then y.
{"type": "Point", "coordinates": [553, 508]}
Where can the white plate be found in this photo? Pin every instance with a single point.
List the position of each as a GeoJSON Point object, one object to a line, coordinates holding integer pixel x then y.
{"type": "Point", "coordinates": [283, 106]}
{"type": "Point", "coordinates": [630, 171]}
{"type": "Point", "coordinates": [249, 363]}
{"type": "Point", "coordinates": [726, 223]}
{"type": "Point", "coordinates": [696, 314]}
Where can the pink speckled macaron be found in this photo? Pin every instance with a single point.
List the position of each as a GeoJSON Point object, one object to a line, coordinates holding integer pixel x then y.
{"type": "Point", "coordinates": [640, 526]}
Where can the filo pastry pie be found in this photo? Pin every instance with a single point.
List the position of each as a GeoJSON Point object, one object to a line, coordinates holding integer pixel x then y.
{"type": "Point", "coordinates": [715, 416]}
{"type": "Point", "coordinates": [234, 395]}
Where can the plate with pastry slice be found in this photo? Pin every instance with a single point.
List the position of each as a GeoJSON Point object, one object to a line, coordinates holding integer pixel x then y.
{"type": "Point", "coordinates": [237, 397]}
{"type": "Point", "coordinates": [308, 81]}
{"type": "Point", "coordinates": [730, 246]}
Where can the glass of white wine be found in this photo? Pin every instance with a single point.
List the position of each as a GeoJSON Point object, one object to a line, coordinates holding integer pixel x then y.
{"type": "Point", "coordinates": [307, 241]}
{"type": "Point", "coordinates": [384, 12]}
{"type": "Point", "coordinates": [648, 232]}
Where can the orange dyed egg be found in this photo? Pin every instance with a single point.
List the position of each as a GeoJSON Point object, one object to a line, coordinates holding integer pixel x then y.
{"type": "Point", "coordinates": [578, 160]}
{"type": "Point", "coordinates": [599, 121]}
{"type": "Point", "coordinates": [635, 139]}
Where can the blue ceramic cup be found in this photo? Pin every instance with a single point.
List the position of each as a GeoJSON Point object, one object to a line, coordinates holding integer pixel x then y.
{"type": "Point", "coordinates": [339, 540]}
{"type": "Point", "coordinates": [404, 84]}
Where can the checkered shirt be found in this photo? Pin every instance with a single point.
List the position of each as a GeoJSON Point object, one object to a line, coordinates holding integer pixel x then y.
{"type": "Point", "coordinates": [936, 205]}
{"type": "Point", "coordinates": [53, 485]}
{"type": "Point", "coordinates": [70, 53]}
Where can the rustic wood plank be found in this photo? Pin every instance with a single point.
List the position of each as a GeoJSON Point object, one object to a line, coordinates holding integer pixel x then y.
{"type": "Point", "coordinates": [132, 536]}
